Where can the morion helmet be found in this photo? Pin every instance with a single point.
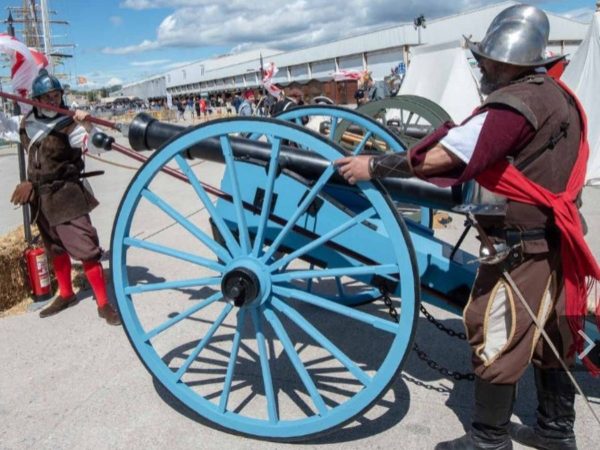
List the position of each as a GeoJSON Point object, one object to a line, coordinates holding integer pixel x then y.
{"type": "Point", "coordinates": [44, 83]}
{"type": "Point", "coordinates": [517, 36]}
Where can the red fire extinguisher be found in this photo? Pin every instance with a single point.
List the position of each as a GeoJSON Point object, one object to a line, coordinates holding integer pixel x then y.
{"type": "Point", "coordinates": [39, 274]}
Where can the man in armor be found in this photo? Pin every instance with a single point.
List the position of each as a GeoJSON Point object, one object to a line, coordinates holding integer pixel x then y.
{"type": "Point", "coordinates": [59, 200]}
{"type": "Point", "coordinates": [527, 138]}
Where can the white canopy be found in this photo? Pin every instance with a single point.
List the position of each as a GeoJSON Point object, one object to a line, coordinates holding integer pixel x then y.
{"type": "Point", "coordinates": [583, 77]}
{"type": "Point", "coordinates": [442, 74]}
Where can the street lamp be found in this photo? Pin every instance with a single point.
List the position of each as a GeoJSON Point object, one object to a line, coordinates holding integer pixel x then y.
{"type": "Point", "coordinates": [419, 22]}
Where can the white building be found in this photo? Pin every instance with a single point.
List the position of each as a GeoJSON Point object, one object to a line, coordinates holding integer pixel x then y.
{"type": "Point", "coordinates": [378, 51]}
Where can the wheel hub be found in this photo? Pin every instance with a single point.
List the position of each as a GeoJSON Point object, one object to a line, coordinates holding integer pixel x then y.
{"type": "Point", "coordinates": [241, 286]}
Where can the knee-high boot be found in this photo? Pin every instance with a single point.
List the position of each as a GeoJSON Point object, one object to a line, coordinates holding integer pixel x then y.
{"type": "Point", "coordinates": [491, 417]}
{"type": "Point", "coordinates": [555, 413]}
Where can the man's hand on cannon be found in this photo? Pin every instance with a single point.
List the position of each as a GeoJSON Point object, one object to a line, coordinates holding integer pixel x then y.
{"type": "Point", "coordinates": [354, 168]}
{"type": "Point", "coordinates": [22, 194]}
{"type": "Point", "coordinates": [365, 167]}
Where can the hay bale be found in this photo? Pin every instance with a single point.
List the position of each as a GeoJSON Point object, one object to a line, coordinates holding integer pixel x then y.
{"type": "Point", "coordinates": [14, 282]}
{"type": "Point", "coordinates": [14, 287]}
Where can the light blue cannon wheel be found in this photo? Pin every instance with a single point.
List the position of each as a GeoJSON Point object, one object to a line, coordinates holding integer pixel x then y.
{"type": "Point", "coordinates": [375, 135]}
{"type": "Point", "coordinates": [229, 328]}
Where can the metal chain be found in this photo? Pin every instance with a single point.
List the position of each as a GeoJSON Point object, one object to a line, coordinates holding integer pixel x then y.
{"type": "Point", "coordinates": [458, 334]}
{"type": "Point", "coordinates": [458, 376]}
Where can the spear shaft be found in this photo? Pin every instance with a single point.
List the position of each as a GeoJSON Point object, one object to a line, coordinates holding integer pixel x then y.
{"type": "Point", "coordinates": [66, 112]}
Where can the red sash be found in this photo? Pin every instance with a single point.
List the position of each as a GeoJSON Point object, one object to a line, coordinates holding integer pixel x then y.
{"type": "Point", "coordinates": [580, 269]}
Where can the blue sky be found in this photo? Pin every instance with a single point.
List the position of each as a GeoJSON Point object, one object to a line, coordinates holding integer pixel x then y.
{"type": "Point", "coordinates": [126, 40]}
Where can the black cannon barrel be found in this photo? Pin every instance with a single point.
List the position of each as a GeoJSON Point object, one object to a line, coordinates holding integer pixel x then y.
{"type": "Point", "coordinates": [411, 130]}
{"type": "Point", "coordinates": [147, 133]}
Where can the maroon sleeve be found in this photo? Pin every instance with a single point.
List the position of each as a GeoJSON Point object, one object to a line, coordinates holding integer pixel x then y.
{"type": "Point", "coordinates": [504, 133]}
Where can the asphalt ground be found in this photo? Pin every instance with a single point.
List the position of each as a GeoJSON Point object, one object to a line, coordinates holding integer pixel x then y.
{"type": "Point", "coordinates": [71, 381]}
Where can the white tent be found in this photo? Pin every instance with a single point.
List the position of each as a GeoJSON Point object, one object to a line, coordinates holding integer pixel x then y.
{"type": "Point", "coordinates": [442, 74]}
{"type": "Point", "coordinates": [583, 77]}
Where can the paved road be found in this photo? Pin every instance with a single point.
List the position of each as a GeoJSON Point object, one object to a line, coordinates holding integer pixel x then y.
{"type": "Point", "coordinates": [71, 381]}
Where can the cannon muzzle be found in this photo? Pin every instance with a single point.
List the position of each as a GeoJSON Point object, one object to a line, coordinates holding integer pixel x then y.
{"type": "Point", "coordinates": [147, 133]}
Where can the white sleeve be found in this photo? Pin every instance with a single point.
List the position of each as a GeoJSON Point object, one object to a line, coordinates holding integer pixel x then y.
{"type": "Point", "coordinates": [9, 128]}
{"type": "Point", "coordinates": [462, 140]}
{"type": "Point", "coordinates": [79, 138]}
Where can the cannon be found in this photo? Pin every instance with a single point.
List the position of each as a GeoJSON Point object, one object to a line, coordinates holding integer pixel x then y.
{"type": "Point", "coordinates": [290, 306]}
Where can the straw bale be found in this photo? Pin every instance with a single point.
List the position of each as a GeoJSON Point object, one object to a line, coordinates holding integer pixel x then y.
{"type": "Point", "coordinates": [14, 287]}
{"type": "Point", "coordinates": [15, 292]}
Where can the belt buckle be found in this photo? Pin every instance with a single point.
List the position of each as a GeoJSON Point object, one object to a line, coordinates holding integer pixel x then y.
{"type": "Point", "coordinates": [513, 237]}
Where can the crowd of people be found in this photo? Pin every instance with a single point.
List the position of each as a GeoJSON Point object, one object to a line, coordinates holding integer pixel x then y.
{"type": "Point", "coordinates": [247, 103]}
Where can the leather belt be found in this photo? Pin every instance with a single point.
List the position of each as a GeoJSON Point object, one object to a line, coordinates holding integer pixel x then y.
{"type": "Point", "coordinates": [514, 236]}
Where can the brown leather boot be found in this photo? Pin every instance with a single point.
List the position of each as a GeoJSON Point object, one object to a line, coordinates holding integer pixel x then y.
{"type": "Point", "coordinates": [108, 313]}
{"type": "Point", "coordinates": [58, 304]}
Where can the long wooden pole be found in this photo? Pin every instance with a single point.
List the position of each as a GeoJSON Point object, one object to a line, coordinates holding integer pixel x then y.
{"type": "Point", "coordinates": [58, 109]}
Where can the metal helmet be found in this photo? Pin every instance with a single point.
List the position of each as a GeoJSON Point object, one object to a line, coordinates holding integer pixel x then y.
{"type": "Point", "coordinates": [517, 36]}
{"type": "Point", "coordinates": [44, 83]}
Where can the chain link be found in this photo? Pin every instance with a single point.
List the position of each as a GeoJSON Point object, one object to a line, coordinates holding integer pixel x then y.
{"type": "Point", "coordinates": [458, 334]}
{"type": "Point", "coordinates": [458, 376]}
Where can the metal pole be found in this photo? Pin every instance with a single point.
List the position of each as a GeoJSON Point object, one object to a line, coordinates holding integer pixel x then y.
{"type": "Point", "coordinates": [21, 158]}
{"type": "Point", "coordinates": [22, 178]}
{"type": "Point", "coordinates": [46, 32]}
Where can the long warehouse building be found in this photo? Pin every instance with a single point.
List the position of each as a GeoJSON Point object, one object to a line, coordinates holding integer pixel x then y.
{"type": "Point", "coordinates": [379, 51]}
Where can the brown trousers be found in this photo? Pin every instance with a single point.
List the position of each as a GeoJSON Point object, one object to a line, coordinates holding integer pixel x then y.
{"type": "Point", "coordinates": [77, 237]}
{"type": "Point", "coordinates": [503, 337]}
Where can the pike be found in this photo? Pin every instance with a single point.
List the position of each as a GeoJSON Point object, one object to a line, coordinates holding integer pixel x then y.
{"type": "Point", "coordinates": [67, 112]}
{"type": "Point", "coordinates": [121, 127]}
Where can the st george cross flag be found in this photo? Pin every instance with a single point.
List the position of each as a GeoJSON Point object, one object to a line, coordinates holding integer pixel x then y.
{"type": "Point", "coordinates": [268, 73]}
{"type": "Point", "coordinates": [25, 65]}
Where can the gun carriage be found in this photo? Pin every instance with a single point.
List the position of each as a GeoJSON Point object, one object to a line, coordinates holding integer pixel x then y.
{"type": "Point", "coordinates": [267, 319]}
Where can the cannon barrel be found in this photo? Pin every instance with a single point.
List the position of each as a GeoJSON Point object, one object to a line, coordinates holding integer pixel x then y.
{"type": "Point", "coordinates": [147, 133]}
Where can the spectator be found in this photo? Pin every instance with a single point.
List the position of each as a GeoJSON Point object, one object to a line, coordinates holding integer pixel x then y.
{"type": "Point", "coordinates": [197, 107]}
{"type": "Point", "coordinates": [246, 108]}
{"type": "Point", "coordinates": [294, 98]}
{"type": "Point", "coordinates": [368, 90]}
{"type": "Point", "coordinates": [237, 101]}
{"type": "Point", "coordinates": [180, 109]}
{"type": "Point", "coordinates": [203, 107]}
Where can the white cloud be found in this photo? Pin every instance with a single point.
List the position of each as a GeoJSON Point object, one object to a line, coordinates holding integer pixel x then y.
{"type": "Point", "coordinates": [116, 20]}
{"type": "Point", "coordinates": [113, 81]}
{"type": "Point", "coordinates": [144, 46]}
{"type": "Point", "coordinates": [151, 4]}
{"type": "Point", "coordinates": [241, 24]}
{"type": "Point", "coordinates": [153, 62]}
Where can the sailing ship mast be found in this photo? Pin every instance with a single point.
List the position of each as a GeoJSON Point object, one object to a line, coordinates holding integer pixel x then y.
{"type": "Point", "coordinates": [36, 30]}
